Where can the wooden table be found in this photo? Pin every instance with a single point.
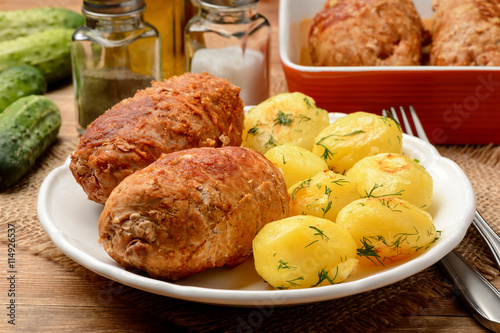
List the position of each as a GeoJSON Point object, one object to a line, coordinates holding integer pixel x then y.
{"type": "Point", "coordinates": [53, 299]}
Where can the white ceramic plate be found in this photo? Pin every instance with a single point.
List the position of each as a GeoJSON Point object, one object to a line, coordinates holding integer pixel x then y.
{"type": "Point", "coordinates": [70, 220]}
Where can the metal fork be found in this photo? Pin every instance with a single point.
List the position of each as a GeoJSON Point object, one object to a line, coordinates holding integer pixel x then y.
{"type": "Point", "coordinates": [482, 298]}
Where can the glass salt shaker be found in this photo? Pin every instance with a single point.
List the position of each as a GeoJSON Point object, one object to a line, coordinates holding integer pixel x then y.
{"type": "Point", "coordinates": [231, 40]}
{"type": "Point", "coordinates": [114, 54]}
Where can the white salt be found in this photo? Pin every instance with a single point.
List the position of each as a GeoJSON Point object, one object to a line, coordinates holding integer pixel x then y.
{"type": "Point", "coordinates": [246, 70]}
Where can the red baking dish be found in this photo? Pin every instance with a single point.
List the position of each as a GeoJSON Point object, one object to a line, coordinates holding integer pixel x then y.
{"type": "Point", "coordinates": [457, 105]}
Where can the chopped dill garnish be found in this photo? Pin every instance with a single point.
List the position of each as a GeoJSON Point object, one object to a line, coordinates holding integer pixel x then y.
{"type": "Point", "coordinates": [340, 182]}
{"type": "Point", "coordinates": [327, 154]}
{"type": "Point", "coordinates": [317, 240]}
{"type": "Point", "coordinates": [328, 191]}
{"type": "Point", "coordinates": [386, 204]}
{"type": "Point", "coordinates": [354, 133]}
{"type": "Point", "coordinates": [253, 131]}
{"type": "Point", "coordinates": [402, 238]}
{"type": "Point", "coordinates": [376, 186]}
{"type": "Point", "coordinates": [369, 251]}
{"type": "Point", "coordinates": [319, 232]}
{"type": "Point", "coordinates": [328, 207]}
{"type": "Point", "coordinates": [323, 275]}
{"type": "Point", "coordinates": [284, 265]}
{"type": "Point", "coordinates": [389, 116]}
{"type": "Point", "coordinates": [270, 142]}
{"type": "Point", "coordinates": [303, 184]}
{"type": "Point", "coordinates": [293, 283]}
{"type": "Point", "coordinates": [302, 118]}
{"type": "Point", "coordinates": [284, 119]}
{"type": "Point", "coordinates": [308, 103]}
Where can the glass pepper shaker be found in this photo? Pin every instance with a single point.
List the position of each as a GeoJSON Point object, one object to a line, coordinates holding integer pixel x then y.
{"type": "Point", "coordinates": [114, 54]}
{"type": "Point", "coordinates": [231, 40]}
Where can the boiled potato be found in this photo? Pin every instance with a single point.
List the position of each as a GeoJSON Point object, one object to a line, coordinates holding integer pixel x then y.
{"type": "Point", "coordinates": [302, 252]}
{"type": "Point", "coordinates": [357, 135]}
{"type": "Point", "coordinates": [285, 118]}
{"type": "Point", "coordinates": [389, 174]}
{"type": "Point", "coordinates": [323, 195]}
{"type": "Point", "coordinates": [297, 163]}
{"type": "Point", "coordinates": [387, 229]}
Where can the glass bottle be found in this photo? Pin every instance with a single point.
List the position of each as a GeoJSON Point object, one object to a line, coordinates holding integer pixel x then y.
{"type": "Point", "coordinates": [169, 18]}
{"type": "Point", "coordinates": [230, 39]}
{"type": "Point", "coordinates": [113, 55]}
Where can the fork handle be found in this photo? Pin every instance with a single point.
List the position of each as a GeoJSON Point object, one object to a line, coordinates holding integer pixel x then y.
{"type": "Point", "coordinates": [489, 235]}
{"type": "Point", "coordinates": [479, 294]}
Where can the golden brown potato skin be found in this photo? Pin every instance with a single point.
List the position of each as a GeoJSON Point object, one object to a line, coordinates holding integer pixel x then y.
{"type": "Point", "coordinates": [366, 33]}
{"type": "Point", "coordinates": [466, 33]}
{"type": "Point", "coordinates": [192, 110]}
{"type": "Point", "coordinates": [192, 210]}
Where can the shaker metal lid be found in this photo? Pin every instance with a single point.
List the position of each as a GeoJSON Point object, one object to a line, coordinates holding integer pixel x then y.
{"type": "Point", "coordinates": [112, 7]}
{"type": "Point", "coordinates": [227, 3]}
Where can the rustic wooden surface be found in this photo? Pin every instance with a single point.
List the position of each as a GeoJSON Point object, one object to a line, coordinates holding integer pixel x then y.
{"type": "Point", "coordinates": [53, 299]}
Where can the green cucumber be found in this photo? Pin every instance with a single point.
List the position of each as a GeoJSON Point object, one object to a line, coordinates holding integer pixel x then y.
{"type": "Point", "coordinates": [20, 81]}
{"type": "Point", "coordinates": [48, 50]}
{"type": "Point", "coordinates": [27, 128]}
{"type": "Point", "coordinates": [23, 22]}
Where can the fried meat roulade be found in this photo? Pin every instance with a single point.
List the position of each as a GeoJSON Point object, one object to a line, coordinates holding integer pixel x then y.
{"type": "Point", "coordinates": [466, 33]}
{"type": "Point", "coordinates": [192, 210]}
{"type": "Point", "coordinates": [192, 110]}
{"type": "Point", "coordinates": [366, 33]}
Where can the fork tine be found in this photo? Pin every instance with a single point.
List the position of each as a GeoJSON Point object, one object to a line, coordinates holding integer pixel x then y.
{"type": "Point", "coordinates": [418, 125]}
{"type": "Point", "coordinates": [395, 115]}
{"type": "Point", "coordinates": [406, 122]}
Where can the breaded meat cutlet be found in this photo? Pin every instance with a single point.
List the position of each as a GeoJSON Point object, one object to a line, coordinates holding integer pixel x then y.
{"type": "Point", "coordinates": [192, 110]}
{"type": "Point", "coordinates": [466, 33]}
{"type": "Point", "coordinates": [366, 33]}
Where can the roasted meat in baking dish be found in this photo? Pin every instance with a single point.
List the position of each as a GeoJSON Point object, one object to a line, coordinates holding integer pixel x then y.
{"type": "Point", "coordinates": [366, 33]}
{"type": "Point", "coordinates": [466, 33]}
{"type": "Point", "coordinates": [192, 210]}
{"type": "Point", "coordinates": [192, 110]}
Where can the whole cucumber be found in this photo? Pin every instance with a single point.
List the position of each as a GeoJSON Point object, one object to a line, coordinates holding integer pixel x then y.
{"type": "Point", "coordinates": [23, 22]}
{"type": "Point", "coordinates": [48, 50]}
{"type": "Point", "coordinates": [20, 81]}
{"type": "Point", "coordinates": [27, 128]}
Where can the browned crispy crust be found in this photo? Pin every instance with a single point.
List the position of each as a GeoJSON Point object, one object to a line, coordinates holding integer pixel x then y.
{"type": "Point", "coordinates": [192, 210]}
{"type": "Point", "coordinates": [466, 33]}
{"type": "Point", "coordinates": [192, 110]}
{"type": "Point", "coordinates": [366, 33]}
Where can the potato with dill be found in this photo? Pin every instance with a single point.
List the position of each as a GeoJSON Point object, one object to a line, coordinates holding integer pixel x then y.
{"type": "Point", "coordinates": [303, 252]}
{"type": "Point", "coordinates": [387, 229]}
{"type": "Point", "coordinates": [323, 195]}
{"type": "Point", "coordinates": [390, 174]}
{"type": "Point", "coordinates": [355, 136]}
{"type": "Point", "coordinates": [285, 118]}
{"type": "Point", "coordinates": [297, 163]}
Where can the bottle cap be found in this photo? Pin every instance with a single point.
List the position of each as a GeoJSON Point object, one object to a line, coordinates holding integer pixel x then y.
{"type": "Point", "coordinates": [112, 7]}
{"type": "Point", "coordinates": [227, 3]}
